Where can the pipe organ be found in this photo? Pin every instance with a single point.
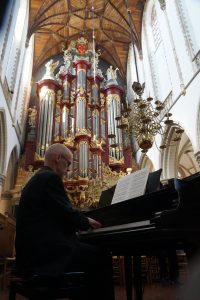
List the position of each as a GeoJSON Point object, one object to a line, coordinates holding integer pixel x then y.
{"type": "Point", "coordinates": [78, 107]}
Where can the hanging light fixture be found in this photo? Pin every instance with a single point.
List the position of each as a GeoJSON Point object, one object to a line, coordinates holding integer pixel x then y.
{"type": "Point", "coordinates": [141, 118]}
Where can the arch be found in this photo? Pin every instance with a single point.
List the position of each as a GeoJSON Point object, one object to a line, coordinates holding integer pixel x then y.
{"type": "Point", "coordinates": [147, 20]}
{"type": "Point", "coordinates": [168, 155]}
{"type": "Point", "coordinates": [187, 164]}
{"type": "Point", "coordinates": [178, 159]}
{"type": "Point", "coordinates": [198, 127]}
{"type": "Point", "coordinates": [145, 162]}
{"type": "Point", "coordinates": [3, 141]}
{"type": "Point", "coordinates": [11, 171]}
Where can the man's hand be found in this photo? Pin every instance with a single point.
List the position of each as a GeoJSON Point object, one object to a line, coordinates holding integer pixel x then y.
{"type": "Point", "coordinates": [94, 224]}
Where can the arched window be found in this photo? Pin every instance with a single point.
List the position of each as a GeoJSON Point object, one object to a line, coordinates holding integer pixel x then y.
{"type": "Point", "coordinates": [155, 29]}
{"type": "Point", "coordinates": [193, 8]}
{"type": "Point", "coordinates": [2, 142]}
{"type": "Point", "coordinates": [15, 46]}
{"type": "Point", "coordinates": [158, 54]}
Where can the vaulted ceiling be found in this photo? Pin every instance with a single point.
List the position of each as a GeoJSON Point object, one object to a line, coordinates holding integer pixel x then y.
{"type": "Point", "coordinates": [56, 22]}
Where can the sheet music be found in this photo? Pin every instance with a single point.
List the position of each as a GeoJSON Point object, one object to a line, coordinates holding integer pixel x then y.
{"type": "Point", "coordinates": [131, 186]}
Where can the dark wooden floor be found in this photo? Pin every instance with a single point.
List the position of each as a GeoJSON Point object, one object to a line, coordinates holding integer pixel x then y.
{"type": "Point", "coordinates": [153, 289]}
{"type": "Point", "coordinates": [151, 292]}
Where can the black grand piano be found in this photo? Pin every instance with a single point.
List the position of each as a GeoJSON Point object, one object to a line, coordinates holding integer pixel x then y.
{"type": "Point", "coordinates": [165, 219]}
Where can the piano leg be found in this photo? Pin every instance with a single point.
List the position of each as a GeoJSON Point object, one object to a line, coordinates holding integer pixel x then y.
{"type": "Point", "coordinates": [128, 276]}
{"type": "Point", "coordinates": [137, 279]}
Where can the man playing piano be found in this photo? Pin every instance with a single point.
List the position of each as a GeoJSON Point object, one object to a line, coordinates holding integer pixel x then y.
{"type": "Point", "coordinates": [46, 240]}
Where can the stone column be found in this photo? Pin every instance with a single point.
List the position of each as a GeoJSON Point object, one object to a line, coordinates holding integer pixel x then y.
{"type": "Point", "coordinates": [197, 156]}
{"type": "Point", "coordinates": [2, 179]}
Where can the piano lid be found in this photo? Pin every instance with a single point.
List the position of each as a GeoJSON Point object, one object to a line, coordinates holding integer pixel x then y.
{"type": "Point", "coordinates": [136, 209]}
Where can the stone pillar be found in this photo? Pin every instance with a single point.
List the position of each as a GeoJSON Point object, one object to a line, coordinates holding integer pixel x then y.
{"type": "Point", "coordinates": [197, 156]}
{"type": "Point", "coordinates": [2, 179]}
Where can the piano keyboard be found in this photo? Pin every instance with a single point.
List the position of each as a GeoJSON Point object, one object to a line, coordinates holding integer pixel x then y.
{"type": "Point", "coordinates": [136, 225]}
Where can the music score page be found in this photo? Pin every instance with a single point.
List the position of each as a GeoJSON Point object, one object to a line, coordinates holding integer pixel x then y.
{"type": "Point", "coordinates": [131, 186]}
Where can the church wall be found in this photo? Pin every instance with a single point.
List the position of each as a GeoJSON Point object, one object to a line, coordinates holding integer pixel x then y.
{"type": "Point", "coordinates": [186, 111]}
{"type": "Point", "coordinates": [172, 70]}
{"type": "Point", "coordinates": [7, 33]}
{"type": "Point", "coordinates": [15, 77]}
{"type": "Point", "coordinates": [132, 74]}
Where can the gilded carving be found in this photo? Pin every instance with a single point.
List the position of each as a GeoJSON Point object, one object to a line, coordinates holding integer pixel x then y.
{"type": "Point", "coordinates": [110, 177]}
{"type": "Point", "coordinates": [32, 116]}
{"type": "Point", "coordinates": [69, 141]}
{"type": "Point", "coordinates": [83, 131]}
{"type": "Point", "coordinates": [38, 157]}
{"type": "Point", "coordinates": [81, 99]}
{"type": "Point", "coordinates": [96, 143]}
{"type": "Point", "coordinates": [113, 160]}
{"type": "Point", "coordinates": [81, 90]}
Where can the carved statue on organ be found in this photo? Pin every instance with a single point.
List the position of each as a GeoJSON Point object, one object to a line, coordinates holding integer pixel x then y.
{"type": "Point", "coordinates": [32, 117]}
{"type": "Point", "coordinates": [112, 74]}
{"type": "Point", "coordinates": [50, 68]}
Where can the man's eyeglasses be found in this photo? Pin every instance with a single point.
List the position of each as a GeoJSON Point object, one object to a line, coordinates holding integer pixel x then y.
{"type": "Point", "coordinates": [66, 159]}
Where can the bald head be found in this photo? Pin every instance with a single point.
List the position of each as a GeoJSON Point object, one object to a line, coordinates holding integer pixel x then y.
{"type": "Point", "coordinates": [58, 157]}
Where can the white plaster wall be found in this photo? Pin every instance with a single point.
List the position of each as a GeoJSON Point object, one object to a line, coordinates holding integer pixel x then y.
{"type": "Point", "coordinates": [186, 111]}
{"type": "Point", "coordinates": [193, 9]}
{"type": "Point", "coordinates": [24, 88]}
{"type": "Point", "coordinates": [19, 72]}
{"type": "Point", "coordinates": [180, 45]}
{"type": "Point", "coordinates": [12, 138]}
{"type": "Point", "coordinates": [185, 108]}
{"type": "Point", "coordinates": [10, 21]}
{"type": "Point", "coordinates": [131, 71]}
{"type": "Point", "coordinates": [13, 105]}
{"type": "Point", "coordinates": [5, 24]}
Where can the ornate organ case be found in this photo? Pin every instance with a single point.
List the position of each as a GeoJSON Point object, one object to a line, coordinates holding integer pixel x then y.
{"type": "Point", "coordinates": [78, 107]}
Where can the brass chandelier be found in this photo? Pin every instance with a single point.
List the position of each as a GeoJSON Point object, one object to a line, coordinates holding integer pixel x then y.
{"type": "Point", "coordinates": [141, 119]}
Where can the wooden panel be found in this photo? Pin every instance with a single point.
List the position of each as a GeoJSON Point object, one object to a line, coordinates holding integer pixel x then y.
{"type": "Point", "coordinates": [55, 23]}
{"type": "Point", "coordinates": [7, 236]}
{"type": "Point", "coordinates": [2, 235]}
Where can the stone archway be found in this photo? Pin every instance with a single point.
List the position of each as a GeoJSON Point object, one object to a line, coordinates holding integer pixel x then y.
{"type": "Point", "coordinates": [197, 154]}
{"type": "Point", "coordinates": [168, 155]}
{"type": "Point", "coordinates": [9, 183]}
{"type": "Point", "coordinates": [178, 159]}
{"type": "Point", "coordinates": [11, 171]}
{"type": "Point", "coordinates": [198, 127]}
{"type": "Point", "coordinates": [145, 162]}
{"type": "Point", "coordinates": [3, 145]}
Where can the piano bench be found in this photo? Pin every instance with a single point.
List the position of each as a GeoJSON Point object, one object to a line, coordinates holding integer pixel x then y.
{"type": "Point", "coordinates": [68, 285]}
